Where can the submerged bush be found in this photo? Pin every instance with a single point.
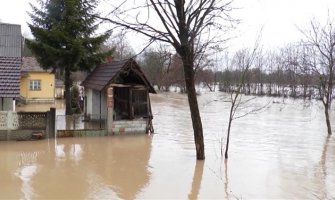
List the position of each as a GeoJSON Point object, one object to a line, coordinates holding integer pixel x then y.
{"type": "Point", "coordinates": [75, 100]}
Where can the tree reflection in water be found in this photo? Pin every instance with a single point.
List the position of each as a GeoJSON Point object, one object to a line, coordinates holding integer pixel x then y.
{"type": "Point", "coordinates": [226, 178]}
{"type": "Point", "coordinates": [321, 171]}
{"type": "Point", "coordinates": [197, 177]}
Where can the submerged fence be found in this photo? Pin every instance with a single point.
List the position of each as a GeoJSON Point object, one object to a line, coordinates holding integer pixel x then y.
{"type": "Point", "coordinates": [24, 125]}
{"type": "Point", "coordinates": [79, 125]}
{"type": "Point", "coordinates": [38, 125]}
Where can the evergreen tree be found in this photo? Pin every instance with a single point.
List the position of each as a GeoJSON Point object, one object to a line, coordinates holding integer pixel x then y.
{"type": "Point", "coordinates": [64, 38]}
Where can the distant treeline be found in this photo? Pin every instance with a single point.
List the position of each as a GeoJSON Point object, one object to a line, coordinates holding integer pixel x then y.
{"type": "Point", "coordinates": [273, 74]}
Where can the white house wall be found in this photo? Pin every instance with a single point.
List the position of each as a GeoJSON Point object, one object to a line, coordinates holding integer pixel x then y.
{"type": "Point", "coordinates": [93, 104]}
{"type": "Point", "coordinates": [6, 104]}
{"type": "Point", "coordinates": [88, 101]}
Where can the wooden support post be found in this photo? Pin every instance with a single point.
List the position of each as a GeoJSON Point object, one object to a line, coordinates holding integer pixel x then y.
{"type": "Point", "coordinates": [110, 110]}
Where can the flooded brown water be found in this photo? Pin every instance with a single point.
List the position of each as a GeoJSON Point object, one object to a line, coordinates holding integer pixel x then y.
{"type": "Point", "coordinates": [281, 153]}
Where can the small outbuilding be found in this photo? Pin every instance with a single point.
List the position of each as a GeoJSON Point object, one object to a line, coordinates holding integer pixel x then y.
{"type": "Point", "coordinates": [118, 92]}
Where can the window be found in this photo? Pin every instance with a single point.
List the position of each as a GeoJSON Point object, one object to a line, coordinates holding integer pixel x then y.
{"type": "Point", "coordinates": [121, 99]}
{"type": "Point", "coordinates": [130, 103]}
{"type": "Point", "coordinates": [140, 103]}
{"type": "Point", "coordinates": [35, 85]}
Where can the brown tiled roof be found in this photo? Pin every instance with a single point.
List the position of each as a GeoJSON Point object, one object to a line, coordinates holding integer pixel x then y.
{"type": "Point", "coordinates": [104, 74]}
{"type": "Point", "coordinates": [10, 68]}
{"type": "Point", "coordinates": [30, 64]}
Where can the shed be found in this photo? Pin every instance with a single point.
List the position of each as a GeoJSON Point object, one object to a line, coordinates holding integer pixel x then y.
{"type": "Point", "coordinates": [118, 92]}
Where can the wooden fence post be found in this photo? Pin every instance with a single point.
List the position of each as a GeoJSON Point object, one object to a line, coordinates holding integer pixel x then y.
{"type": "Point", "coordinates": [52, 123]}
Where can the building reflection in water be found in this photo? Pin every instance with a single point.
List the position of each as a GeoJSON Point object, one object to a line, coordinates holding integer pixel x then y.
{"type": "Point", "coordinates": [122, 166]}
{"type": "Point", "coordinates": [76, 168]}
{"type": "Point", "coordinates": [18, 166]}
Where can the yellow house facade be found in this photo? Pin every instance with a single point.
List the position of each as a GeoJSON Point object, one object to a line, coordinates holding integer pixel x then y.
{"type": "Point", "coordinates": [37, 84]}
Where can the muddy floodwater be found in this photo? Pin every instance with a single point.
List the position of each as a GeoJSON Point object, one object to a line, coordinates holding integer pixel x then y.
{"type": "Point", "coordinates": [281, 152]}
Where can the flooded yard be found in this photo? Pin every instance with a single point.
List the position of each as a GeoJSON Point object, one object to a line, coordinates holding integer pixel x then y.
{"type": "Point", "coordinates": [282, 152]}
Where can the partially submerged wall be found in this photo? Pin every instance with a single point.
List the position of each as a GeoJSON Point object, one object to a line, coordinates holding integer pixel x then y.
{"type": "Point", "coordinates": [27, 125]}
{"type": "Point", "coordinates": [137, 126]}
{"type": "Point", "coordinates": [81, 133]}
{"type": "Point", "coordinates": [20, 135]}
{"type": "Point", "coordinates": [129, 126]}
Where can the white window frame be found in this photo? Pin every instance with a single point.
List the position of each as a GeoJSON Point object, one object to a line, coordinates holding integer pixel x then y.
{"type": "Point", "coordinates": [35, 85]}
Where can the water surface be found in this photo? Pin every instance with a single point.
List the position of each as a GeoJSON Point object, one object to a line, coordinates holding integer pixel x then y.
{"type": "Point", "coordinates": [281, 152]}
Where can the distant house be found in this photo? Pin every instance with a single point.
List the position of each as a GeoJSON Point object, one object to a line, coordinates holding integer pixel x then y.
{"type": "Point", "coordinates": [59, 89]}
{"type": "Point", "coordinates": [37, 84]}
{"type": "Point", "coordinates": [10, 64]}
{"type": "Point", "coordinates": [119, 88]}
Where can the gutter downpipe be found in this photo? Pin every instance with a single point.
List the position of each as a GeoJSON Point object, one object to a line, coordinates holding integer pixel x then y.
{"type": "Point", "coordinates": [100, 110]}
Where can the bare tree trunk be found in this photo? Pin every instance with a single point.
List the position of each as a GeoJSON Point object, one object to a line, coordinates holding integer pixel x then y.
{"type": "Point", "coordinates": [186, 52]}
{"type": "Point", "coordinates": [305, 90]}
{"type": "Point", "coordinates": [68, 107]}
{"type": "Point", "coordinates": [329, 129]}
{"type": "Point", "coordinates": [194, 109]}
{"type": "Point", "coordinates": [228, 134]}
{"type": "Point", "coordinates": [327, 104]}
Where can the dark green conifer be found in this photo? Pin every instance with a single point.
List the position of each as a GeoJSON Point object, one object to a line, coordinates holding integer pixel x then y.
{"type": "Point", "coordinates": [64, 38]}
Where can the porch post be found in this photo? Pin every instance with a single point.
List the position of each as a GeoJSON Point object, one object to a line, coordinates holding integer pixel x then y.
{"type": "Point", "coordinates": [110, 105]}
{"type": "Point", "coordinates": [52, 123]}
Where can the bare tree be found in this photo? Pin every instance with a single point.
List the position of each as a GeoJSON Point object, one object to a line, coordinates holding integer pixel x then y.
{"type": "Point", "coordinates": [156, 62]}
{"type": "Point", "coordinates": [207, 78]}
{"type": "Point", "coordinates": [319, 45]}
{"type": "Point", "coordinates": [243, 60]}
{"type": "Point", "coordinates": [189, 26]}
{"type": "Point", "coordinates": [120, 43]}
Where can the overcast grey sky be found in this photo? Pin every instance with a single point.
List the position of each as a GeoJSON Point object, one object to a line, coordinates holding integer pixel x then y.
{"type": "Point", "coordinates": [279, 18]}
